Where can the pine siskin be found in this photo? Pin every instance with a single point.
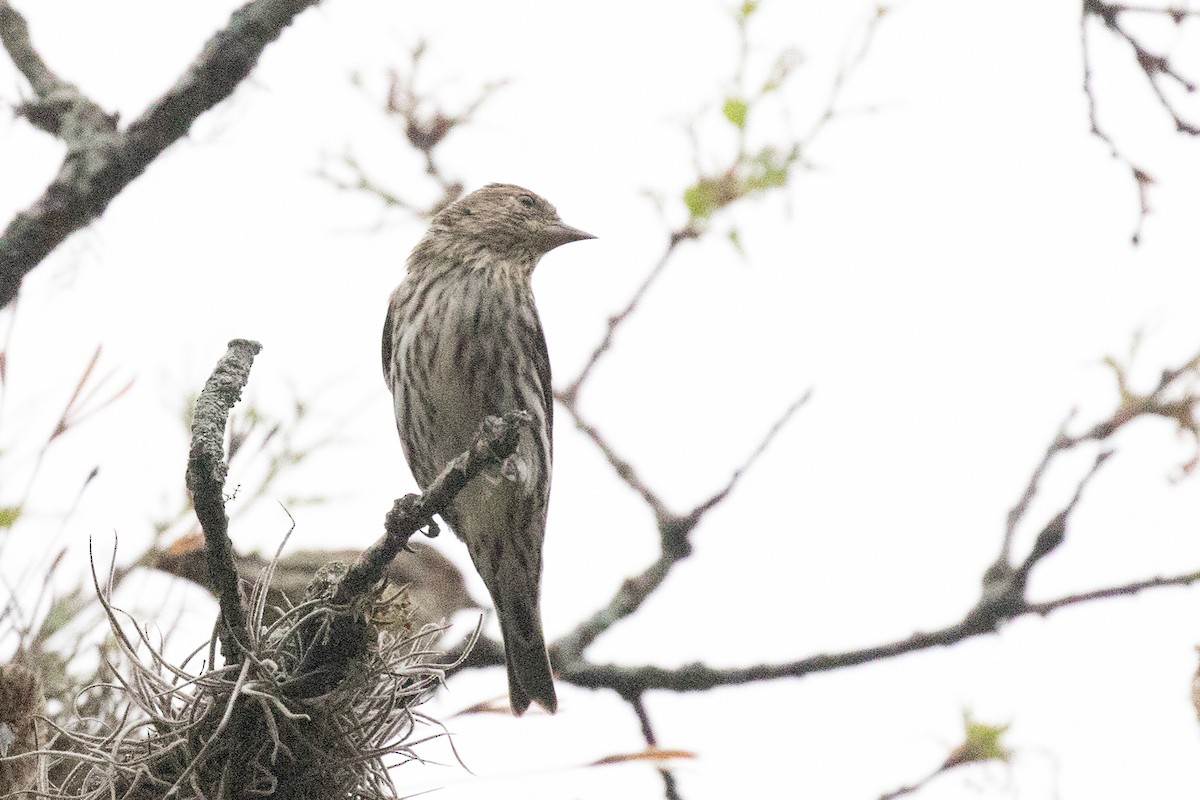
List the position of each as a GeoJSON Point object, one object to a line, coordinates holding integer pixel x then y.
{"type": "Point", "coordinates": [462, 340]}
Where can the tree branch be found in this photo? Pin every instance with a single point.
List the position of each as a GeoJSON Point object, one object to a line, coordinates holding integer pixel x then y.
{"type": "Point", "coordinates": [1004, 585]}
{"type": "Point", "coordinates": [14, 33]}
{"type": "Point", "coordinates": [101, 160]}
{"type": "Point", "coordinates": [697, 677]}
{"type": "Point", "coordinates": [496, 440]}
{"type": "Point", "coordinates": [1152, 66]}
{"type": "Point", "coordinates": [670, 789]}
{"type": "Point", "coordinates": [674, 536]}
{"type": "Point", "coordinates": [206, 482]}
{"type": "Point", "coordinates": [568, 395]}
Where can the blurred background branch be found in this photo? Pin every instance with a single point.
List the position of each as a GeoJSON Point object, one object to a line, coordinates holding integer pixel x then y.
{"type": "Point", "coordinates": [741, 165]}
{"type": "Point", "coordinates": [1112, 18]}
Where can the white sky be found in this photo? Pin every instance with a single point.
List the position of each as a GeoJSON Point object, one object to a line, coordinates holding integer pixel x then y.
{"type": "Point", "coordinates": [948, 281]}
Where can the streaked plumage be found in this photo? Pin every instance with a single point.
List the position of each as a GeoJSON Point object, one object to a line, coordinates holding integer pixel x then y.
{"type": "Point", "coordinates": [462, 340]}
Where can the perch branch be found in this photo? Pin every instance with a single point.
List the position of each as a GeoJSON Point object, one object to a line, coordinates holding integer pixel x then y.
{"type": "Point", "coordinates": [496, 440]}
{"type": "Point", "coordinates": [206, 482]}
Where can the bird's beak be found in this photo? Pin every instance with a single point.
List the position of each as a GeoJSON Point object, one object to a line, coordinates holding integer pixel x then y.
{"type": "Point", "coordinates": [560, 233]}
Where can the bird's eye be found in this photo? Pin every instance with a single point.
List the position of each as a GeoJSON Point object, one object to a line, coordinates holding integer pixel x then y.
{"type": "Point", "coordinates": [527, 201]}
{"type": "Point", "coordinates": [466, 212]}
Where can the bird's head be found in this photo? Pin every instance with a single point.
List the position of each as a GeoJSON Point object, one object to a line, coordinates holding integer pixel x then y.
{"type": "Point", "coordinates": [505, 220]}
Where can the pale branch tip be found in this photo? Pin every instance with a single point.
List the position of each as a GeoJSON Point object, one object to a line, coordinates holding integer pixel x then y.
{"type": "Point", "coordinates": [205, 481]}
{"type": "Point", "coordinates": [102, 160]}
{"type": "Point", "coordinates": [495, 441]}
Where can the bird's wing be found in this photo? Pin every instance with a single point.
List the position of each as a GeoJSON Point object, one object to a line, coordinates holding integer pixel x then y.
{"type": "Point", "coordinates": [541, 361]}
{"type": "Point", "coordinates": [388, 333]}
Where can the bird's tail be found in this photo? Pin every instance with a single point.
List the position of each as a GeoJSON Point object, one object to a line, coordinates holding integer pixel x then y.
{"type": "Point", "coordinates": [510, 564]}
{"type": "Point", "coordinates": [529, 678]}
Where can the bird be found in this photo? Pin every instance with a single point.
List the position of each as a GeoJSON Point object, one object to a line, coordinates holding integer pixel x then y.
{"type": "Point", "coordinates": [462, 341]}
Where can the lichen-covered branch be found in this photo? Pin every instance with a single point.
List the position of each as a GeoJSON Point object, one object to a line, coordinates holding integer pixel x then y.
{"type": "Point", "coordinates": [101, 159]}
{"type": "Point", "coordinates": [496, 440]}
{"type": "Point", "coordinates": [206, 482]}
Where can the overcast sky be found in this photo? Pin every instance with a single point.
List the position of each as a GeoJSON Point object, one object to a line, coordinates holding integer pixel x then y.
{"type": "Point", "coordinates": [947, 279]}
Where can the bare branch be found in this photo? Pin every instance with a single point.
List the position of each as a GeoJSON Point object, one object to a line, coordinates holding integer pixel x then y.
{"type": "Point", "coordinates": [674, 536]}
{"type": "Point", "coordinates": [624, 469]}
{"type": "Point", "coordinates": [626, 680]}
{"type": "Point", "coordinates": [747, 174]}
{"type": "Point", "coordinates": [102, 160]}
{"type": "Point", "coordinates": [1176, 13]}
{"type": "Point", "coordinates": [206, 482]}
{"type": "Point", "coordinates": [1157, 582]}
{"type": "Point", "coordinates": [909, 788]}
{"type": "Point", "coordinates": [670, 789]}
{"type": "Point", "coordinates": [1131, 406]}
{"type": "Point", "coordinates": [850, 64]}
{"type": "Point", "coordinates": [1003, 586]}
{"type": "Point", "coordinates": [772, 432]}
{"type": "Point", "coordinates": [982, 742]}
{"type": "Point", "coordinates": [628, 599]}
{"type": "Point", "coordinates": [1017, 512]}
{"type": "Point", "coordinates": [1153, 66]}
{"type": "Point", "coordinates": [568, 395]}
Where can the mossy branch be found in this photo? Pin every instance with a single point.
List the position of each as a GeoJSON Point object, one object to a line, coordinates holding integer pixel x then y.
{"type": "Point", "coordinates": [206, 482]}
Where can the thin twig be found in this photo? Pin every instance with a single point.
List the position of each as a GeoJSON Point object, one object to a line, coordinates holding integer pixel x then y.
{"type": "Point", "coordinates": [908, 789]}
{"type": "Point", "coordinates": [670, 788]}
{"type": "Point", "coordinates": [674, 534]}
{"type": "Point", "coordinates": [1017, 512]}
{"type": "Point", "coordinates": [568, 395]}
{"type": "Point", "coordinates": [1153, 66]}
{"type": "Point", "coordinates": [1125, 590]}
{"type": "Point", "coordinates": [625, 471]}
{"type": "Point", "coordinates": [772, 432]}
